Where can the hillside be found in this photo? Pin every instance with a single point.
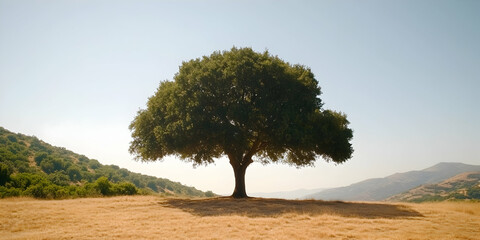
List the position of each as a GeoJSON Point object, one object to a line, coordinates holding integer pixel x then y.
{"type": "Point", "coordinates": [378, 189]}
{"type": "Point", "coordinates": [31, 167]}
{"type": "Point", "coordinates": [462, 186]}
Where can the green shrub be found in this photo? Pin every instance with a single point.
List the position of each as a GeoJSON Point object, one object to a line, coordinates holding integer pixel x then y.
{"type": "Point", "coordinates": [39, 190]}
{"type": "Point", "coordinates": [5, 172]}
{"type": "Point", "coordinates": [12, 138]}
{"type": "Point", "coordinates": [94, 164]}
{"type": "Point", "coordinates": [152, 185]}
{"type": "Point", "coordinates": [209, 194]}
{"type": "Point", "coordinates": [40, 156]}
{"type": "Point", "coordinates": [474, 193]}
{"type": "Point", "coordinates": [87, 190]}
{"type": "Point", "coordinates": [47, 166]}
{"type": "Point", "coordinates": [62, 193]}
{"type": "Point", "coordinates": [82, 159]}
{"type": "Point", "coordinates": [145, 191]}
{"type": "Point", "coordinates": [74, 173]}
{"type": "Point", "coordinates": [24, 180]}
{"type": "Point", "coordinates": [22, 166]}
{"type": "Point", "coordinates": [9, 192]}
{"type": "Point", "coordinates": [51, 165]}
{"type": "Point", "coordinates": [124, 188]}
{"type": "Point", "coordinates": [103, 186]}
{"type": "Point", "coordinates": [59, 178]}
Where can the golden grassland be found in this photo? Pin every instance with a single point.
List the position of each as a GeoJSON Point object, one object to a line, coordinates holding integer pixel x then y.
{"type": "Point", "coordinates": [150, 217]}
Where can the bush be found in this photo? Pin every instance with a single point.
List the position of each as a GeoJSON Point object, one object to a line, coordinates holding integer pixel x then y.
{"type": "Point", "coordinates": [474, 193]}
{"type": "Point", "coordinates": [43, 189]}
{"type": "Point", "coordinates": [51, 165]}
{"type": "Point", "coordinates": [124, 188]}
{"type": "Point", "coordinates": [22, 166]}
{"type": "Point", "coordinates": [74, 173]}
{"type": "Point", "coordinates": [12, 138]}
{"type": "Point", "coordinates": [47, 166]}
{"type": "Point", "coordinates": [209, 194]}
{"type": "Point", "coordinates": [82, 159]}
{"type": "Point", "coordinates": [24, 180]}
{"type": "Point", "coordinates": [5, 172]}
{"type": "Point", "coordinates": [9, 192]}
{"type": "Point", "coordinates": [152, 185]}
{"type": "Point", "coordinates": [94, 164]}
{"type": "Point", "coordinates": [40, 156]}
{"type": "Point", "coordinates": [87, 190]}
{"type": "Point", "coordinates": [145, 191]}
{"type": "Point", "coordinates": [37, 145]}
{"type": "Point", "coordinates": [62, 193]}
{"type": "Point", "coordinates": [103, 186]}
{"type": "Point", "coordinates": [59, 178]}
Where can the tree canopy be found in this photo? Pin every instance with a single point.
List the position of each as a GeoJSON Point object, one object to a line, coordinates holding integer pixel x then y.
{"type": "Point", "coordinates": [245, 105]}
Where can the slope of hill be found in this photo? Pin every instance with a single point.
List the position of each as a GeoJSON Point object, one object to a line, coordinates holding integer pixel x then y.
{"type": "Point", "coordinates": [29, 166]}
{"type": "Point", "coordinates": [462, 186]}
{"type": "Point", "coordinates": [377, 189]}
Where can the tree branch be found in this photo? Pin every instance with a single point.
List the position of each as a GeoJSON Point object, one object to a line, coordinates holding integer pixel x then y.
{"type": "Point", "coordinates": [247, 158]}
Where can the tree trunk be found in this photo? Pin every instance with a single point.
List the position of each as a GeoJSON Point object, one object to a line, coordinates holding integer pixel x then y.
{"type": "Point", "coordinates": [239, 172]}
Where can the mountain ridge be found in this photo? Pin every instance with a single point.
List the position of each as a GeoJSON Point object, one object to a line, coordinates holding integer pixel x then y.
{"type": "Point", "coordinates": [377, 189]}
{"type": "Point", "coordinates": [462, 186]}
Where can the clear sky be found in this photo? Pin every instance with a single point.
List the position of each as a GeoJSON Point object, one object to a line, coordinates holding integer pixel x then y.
{"type": "Point", "coordinates": [407, 74]}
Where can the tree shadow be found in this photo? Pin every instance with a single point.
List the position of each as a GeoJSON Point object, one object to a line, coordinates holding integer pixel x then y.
{"type": "Point", "coordinates": [269, 207]}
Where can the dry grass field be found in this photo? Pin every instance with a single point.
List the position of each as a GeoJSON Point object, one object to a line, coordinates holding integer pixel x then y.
{"type": "Point", "coordinates": [149, 217]}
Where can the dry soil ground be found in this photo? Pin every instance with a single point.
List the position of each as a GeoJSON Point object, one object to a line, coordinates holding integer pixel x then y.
{"type": "Point", "coordinates": [149, 217]}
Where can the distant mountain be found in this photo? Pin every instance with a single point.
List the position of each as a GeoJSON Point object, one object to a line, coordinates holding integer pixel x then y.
{"type": "Point", "coordinates": [31, 167]}
{"type": "Point", "coordinates": [377, 189]}
{"type": "Point", "coordinates": [295, 194]}
{"type": "Point", "coordinates": [462, 186]}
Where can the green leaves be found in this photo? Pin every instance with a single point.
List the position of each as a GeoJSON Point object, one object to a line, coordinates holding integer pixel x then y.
{"type": "Point", "coordinates": [332, 136]}
{"type": "Point", "coordinates": [244, 104]}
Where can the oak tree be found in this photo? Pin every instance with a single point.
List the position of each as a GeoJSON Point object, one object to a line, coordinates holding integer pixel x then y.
{"type": "Point", "coordinates": [244, 105]}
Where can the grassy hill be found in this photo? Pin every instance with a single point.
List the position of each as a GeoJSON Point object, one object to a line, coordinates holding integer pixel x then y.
{"type": "Point", "coordinates": [462, 186]}
{"type": "Point", "coordinates": [31, 167]}
{"type": "Point", "coordinates": [377, 189]}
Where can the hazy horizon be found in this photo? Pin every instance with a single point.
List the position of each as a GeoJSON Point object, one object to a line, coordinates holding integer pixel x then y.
{"type": "Point", "coordinates": [75, 73]}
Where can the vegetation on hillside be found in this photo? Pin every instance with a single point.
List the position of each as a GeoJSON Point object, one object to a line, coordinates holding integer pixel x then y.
{"type": "Point", "coordinates": [31, 167]}
{"type": "Point", "coordinates": [459, 187]}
